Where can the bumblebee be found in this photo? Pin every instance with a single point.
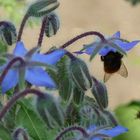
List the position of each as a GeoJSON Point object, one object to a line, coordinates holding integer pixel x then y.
{"type": "Point", "coordinates": [113, 63]}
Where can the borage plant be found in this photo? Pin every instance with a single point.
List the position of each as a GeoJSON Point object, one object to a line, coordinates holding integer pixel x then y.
{"type": "Point", "coordinates": [71, 114]}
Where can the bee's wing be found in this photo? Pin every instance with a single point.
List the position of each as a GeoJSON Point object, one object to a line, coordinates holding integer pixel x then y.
{"type": "Point", "coordinates": [123, 70]}
{"type": "Point", "coordinates": [107, 76]}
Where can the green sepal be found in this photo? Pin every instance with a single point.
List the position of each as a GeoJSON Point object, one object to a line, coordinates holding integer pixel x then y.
{"type": "Point", "coordinates": [80, 74]}
{"type": "Point", "coordinates": [29, 119]}
{"type": "Point", "coordinates": [111, 119]}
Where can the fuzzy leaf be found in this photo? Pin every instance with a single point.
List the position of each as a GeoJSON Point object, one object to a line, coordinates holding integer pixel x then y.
{"type": "Point", "coordinates": [50, 111]}
{"type": "Point", "coordinates": [3, 48]}
{"type": "Point", "coordinates": [30, 120]}
{"type": "Point", "coordinates": [4, 133]}
{"type": "Point", "coordinates": [9, 119]}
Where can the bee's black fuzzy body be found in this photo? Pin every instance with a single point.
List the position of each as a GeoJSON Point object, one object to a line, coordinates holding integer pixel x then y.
{"type": "Point", "coordinates": [112, 62]}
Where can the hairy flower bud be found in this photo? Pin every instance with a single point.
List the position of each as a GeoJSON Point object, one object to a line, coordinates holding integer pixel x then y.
{"type": "Point", "coordinates": [65, 81]}
{"type": "Point", "coordinates": [8, 33]}
{"type": "Point", "coordinates": [78, 95]}
{"type": "Point", "coordinates": [53, 25]}
{"type": "Point", "coordinates": [89, 115]}
{"type": "Point", "coordinates": [80, 74]}
{"type": "Point", "coordinates": [99, 91]}
{"type": "Point", "coordinates": [50, 111]}
{"type": "Point", "coordinates": [42, 7]}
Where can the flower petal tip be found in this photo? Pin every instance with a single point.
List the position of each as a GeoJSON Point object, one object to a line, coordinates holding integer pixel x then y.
{"type": "Point", "coordinates": [117, 34]}
{"type": "Point", "coordinates": [20, 50]}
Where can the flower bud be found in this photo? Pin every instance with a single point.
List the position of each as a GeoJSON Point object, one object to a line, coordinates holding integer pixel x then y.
{"type": "Point", "coordinates": [53, 25]}
{"type": "Point", "coordinates": [78, 95]}
{"type": "Point", "coordinates": [8, 33]}
{"type": "Point", "coordinates": [50, 111]}
{"type": "Point", "coordinates": [80, 74]}
{"type": "Point", "coordinates": [99, 91]}
{"type": "Point", "coordinates": [65, 80]}
{"type": "Point", "coordinates": [89, 115]}
{"type": "Point", "coordinates": [42, 7]}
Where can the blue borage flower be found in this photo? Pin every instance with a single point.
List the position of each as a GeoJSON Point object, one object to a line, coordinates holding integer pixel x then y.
{"type": "Point", "coordinates": [112, 51]}
{"type": "Point", "coordinates": [105, 47]}
{"type": "Point", "coordinates": [34, 73]}
{"type": "Point", "coordinates": [96, 133]}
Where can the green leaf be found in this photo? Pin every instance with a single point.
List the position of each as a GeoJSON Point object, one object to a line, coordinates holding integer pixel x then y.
{"type": "Point", "coordinates": [46, 106]}
{"type": "Point", "coordinates": [30, 120]}
{"type": "Point", "coordinates": [2, 61]}
{"type": "Point", "coordinates": [64, 78]}
{"type": "Point", "coordinates": [4, 133]}
{"type": "Point", "coordinates": [9, 119]}
{"type": "Point", "coordinates": [3, 48]}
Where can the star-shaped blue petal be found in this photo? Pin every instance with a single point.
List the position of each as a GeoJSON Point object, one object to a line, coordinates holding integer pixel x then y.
{"type": "Point", "coordinates": [34, 74]}
{"type": "Point", "coordinates": [51, 58]}
{"type": "Point", "coordinates": [10, 80]}
{"type": "Point", "coordinates": [112, 132]}
{"type": "Point", "coordinates": [20, 50]}
{"type": "Point", "coordinates": [39, 77]}
{"type": "Point", "coordinates": [124, 45]}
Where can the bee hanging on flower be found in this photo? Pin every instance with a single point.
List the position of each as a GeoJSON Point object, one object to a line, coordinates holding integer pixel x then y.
{"type": "Point", "coordinates": [112, 51]}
